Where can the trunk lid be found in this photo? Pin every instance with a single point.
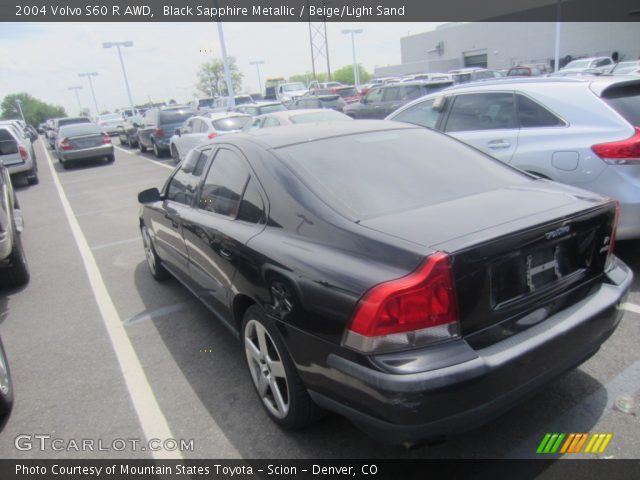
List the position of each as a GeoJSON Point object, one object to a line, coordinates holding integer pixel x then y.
{"type": "Point", "coordinates": [518, 254]}
{"type": "Point", "coordinates": [86, 141]}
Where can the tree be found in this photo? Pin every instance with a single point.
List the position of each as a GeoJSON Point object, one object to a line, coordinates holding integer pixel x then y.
{"type": "Point", "coordinates": [345, 75]}
{"type": "Point", "coordinates": [35, 111]}
{"type": "Point", "coordinates": [211, 76]}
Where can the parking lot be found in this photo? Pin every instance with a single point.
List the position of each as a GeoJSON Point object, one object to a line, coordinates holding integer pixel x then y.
{"type": "Point", "coordinates": [99, 350]}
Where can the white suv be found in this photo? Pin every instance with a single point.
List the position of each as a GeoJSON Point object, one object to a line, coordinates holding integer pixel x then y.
{"type": "Point", "coordinates": [580, 131]}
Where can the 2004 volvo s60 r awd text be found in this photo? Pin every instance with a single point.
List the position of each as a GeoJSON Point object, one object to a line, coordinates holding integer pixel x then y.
{"type": "Point", "coordinates": [387, 272]}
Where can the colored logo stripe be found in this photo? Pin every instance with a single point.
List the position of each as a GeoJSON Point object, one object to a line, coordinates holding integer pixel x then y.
{"type": "Point", "coordinates": [574, 443]}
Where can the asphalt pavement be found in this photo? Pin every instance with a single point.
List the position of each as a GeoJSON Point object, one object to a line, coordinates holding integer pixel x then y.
{"type": "Point", "coordinates": [100, 351]}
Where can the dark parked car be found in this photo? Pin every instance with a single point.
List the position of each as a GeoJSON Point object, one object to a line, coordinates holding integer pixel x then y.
{"type": "Point", "coordinates": [14, 270]}
{"type": "Point", "coordinates": [128, 131]}
{"type": "Point", "coordinates": [335, 102]}
{"type": "Point", "coordinates": [364, 278]}
{"type": "Point", "coordinates": [6, 387]}
{"type": "Point", "coordinates": [381, 100]}
{"type": "Point", "coordinates": [83, 142]}
{"type": "Point", "coordinates": [159, 126]}
{"type": "Point", "coordinates": [61, 122]}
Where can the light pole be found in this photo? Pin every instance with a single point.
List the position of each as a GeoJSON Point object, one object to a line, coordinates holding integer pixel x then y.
{"type": "Point", "coordinates": [257, 63]}
{"type": "Point", "coordinates": [93, 94]}
{"type": "Point", "coordinates": [19, 104]}
{"type": "Point", "coordinates": [356, 70]}
{"type": "Point", "coordinates": [227, 71]}
{"type": "Point", "coordinates": [556, 60]}
{"type": "Point", "coordinates": [75, 90]}
{"type": "Point", "coordinates": [128, 43]}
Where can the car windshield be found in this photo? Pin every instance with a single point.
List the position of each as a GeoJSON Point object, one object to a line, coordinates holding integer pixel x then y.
{"type": "Point", "coordinates": [276, 107]}
{"type": "Point", "coordinates": [231, 123]}
{"type": "Point", "coordinates": [206, 102]}
{"type": "Point", "coordinates": [80, 130]}
{"type": "Point", "coordinates": [376, 173]}
{"type": "Point", "coordinates": [314, 117]}
{"type": "Point", "coordinates": [578, 64]}
{"type": "Point", "coordinates": [175, 116]}
{"type": "Point", "coordinates": [294, 86]}
{"type": "Point", "coordinates": [243, 100]}
{"type": "Point", "coordinates": [110, 116]}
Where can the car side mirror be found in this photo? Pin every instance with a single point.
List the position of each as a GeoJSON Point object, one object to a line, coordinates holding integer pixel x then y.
{"type": "Point", "coordinates": [150, 195]}
{"type": "Point", "coordinates": [177, 132]}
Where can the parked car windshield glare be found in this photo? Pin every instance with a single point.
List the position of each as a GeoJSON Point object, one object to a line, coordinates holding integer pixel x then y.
{"type": "Point", "coordinates": [231, 123]}
{"type": "Point", "coordinates": [378, 173]}
{"type": "Point", "coordinates": [293, 86]}
{"type": "Point", "coordinates": [175, 116]}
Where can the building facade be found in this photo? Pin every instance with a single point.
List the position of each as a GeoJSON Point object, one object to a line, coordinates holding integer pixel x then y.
{"type": "Point", "coordinates": [501, 45]}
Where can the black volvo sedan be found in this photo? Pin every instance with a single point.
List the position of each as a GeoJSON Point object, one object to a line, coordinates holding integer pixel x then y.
{"type": "Point", "coordinates": [387, 272]}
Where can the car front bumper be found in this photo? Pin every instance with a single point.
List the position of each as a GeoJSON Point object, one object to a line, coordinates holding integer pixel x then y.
{"type": "Point", "coordinates": [465, 388]}
{"type": "Point", "coordinates": [86, 153]}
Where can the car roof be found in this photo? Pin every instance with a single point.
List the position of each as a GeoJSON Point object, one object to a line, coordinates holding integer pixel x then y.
{"type": "Point", "coordinates": [309, 132]}
{"type": "Point", "coordinates": [598, 83]}
{"type": "Point", "coordinates": [219, 115]}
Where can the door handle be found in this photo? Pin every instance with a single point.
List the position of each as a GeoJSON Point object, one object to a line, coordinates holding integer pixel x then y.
{"type": "Point", "coordinates": [174, 224]}
{"type": "Point", "coordinates": [394, 106]}
{"type": "Point", "coordinates": [226, 254]}
{"type": "Point", "coordinates": [498, 144]}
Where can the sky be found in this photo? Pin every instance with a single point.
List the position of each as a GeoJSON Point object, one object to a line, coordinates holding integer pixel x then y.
{"type": "Point", "coordinates": [44, 59]}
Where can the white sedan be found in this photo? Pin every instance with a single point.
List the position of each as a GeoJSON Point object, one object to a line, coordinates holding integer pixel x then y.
{"type": "Point", "coordinates": [202, 128]}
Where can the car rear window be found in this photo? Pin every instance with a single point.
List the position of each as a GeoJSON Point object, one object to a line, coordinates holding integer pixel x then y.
{"type": "Point", "coordinates": [328, 116]}
{"type": "Point", "coordinates": [347, 92]}
{"type": "Point", "coordinates": [69, 121]}
{"type": "Point", "coordinates": [8, 144]}
{"type": "Point", "coordinates": [377, 173]}
{"type": "Point", "coordinates": [243, 100]}
{"type": "Point", "coordinates": [278, 107]}
{"type": "Point", "coordinates": [626, 101]}
{"type": "Point", "coordinates": [205, 102]}
{"type": "Point", "coordinates": [79, 130]}
{"type": "Point", "coordinates": [175, 116]}
{"type": "Point", "coordinates": [231, 123]}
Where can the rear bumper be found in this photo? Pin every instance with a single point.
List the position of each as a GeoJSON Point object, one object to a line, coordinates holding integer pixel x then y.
{"type": "Point", "coordinates": [467, 387]}
{"type": "Point", "coordinates": [22, 167]}
{"type": "Point", "coordinates": [86, 153]}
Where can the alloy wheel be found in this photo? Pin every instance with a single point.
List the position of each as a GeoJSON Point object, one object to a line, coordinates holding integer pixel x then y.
{"type": "Point", "coordinates": [267, 370]}
{"type": "Point", "coordinates": [148, 250]}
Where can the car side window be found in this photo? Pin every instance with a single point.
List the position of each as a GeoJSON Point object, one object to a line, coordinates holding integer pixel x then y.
{"type": "Point", "coordinates": [270, 122]}
{"type": "Point", "coordinates": [183, 185]}
{"type": "Point", "coordinates": [411, 92]}
{"type": "Point", "coordinates": [199, 126]}
{"type": "Point", "coordinates": [531, 114]}
{"type": "Point", "coordinates": [251, 206]}
{"type": "Point", "coordinates": [374, 95]}
{"type": "Point", "coordinates": [187, 127]}
{"type": "Point", "coordinates": [482, 111]}
{"type": "Point", "coordinates": [224, 185]}
{"type": "Point", "coordinates": [392, 94]}
{"type": "Point", "coordinates": [420, 114]}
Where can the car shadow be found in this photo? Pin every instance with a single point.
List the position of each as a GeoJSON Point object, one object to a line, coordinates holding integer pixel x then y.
{"type": "Point", "coordinates": [80, 165]}
{"type": "Point", "coordinates": [221, 381]}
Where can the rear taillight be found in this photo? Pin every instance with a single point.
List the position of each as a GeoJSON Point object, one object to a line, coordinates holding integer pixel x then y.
{"type": "Point", "coordinates": [612, 239]}
{"type": "Point", "coordinates": [411, 311]}
{"type": "Point", "coordinates": [64, 143]}
{"type": "Point", "coordinates": [620, 152]}
{"type": "Point", "coordinates": [159, 132]}
{"type": "Point", "coordinates": [106, 139]}
{"type": "Point", "coordinates": [212, 135]}
{"type": "Point", "coordinates": [24, 155]}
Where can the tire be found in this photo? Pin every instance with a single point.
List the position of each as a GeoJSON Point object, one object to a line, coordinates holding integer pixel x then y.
{"type": "Point", "coordinates": [6, 386]}
{"type": "Point", "coordinates": [65, 165]}
{"type": "Point", "coordinates": [156, 150]}
{"type": "Point", "coordinates": [174, 154]}
{"type": "Point", "coordinates": [32, 176]}
{"type": "Point", "coordinates": [141, 146]}
{"type": "Point", "coordinates": [17, 273]}
{"type": "Point", "coordinates": [111, 158]}
{"type": "Point", "coordinates": [274, 376]}
{"type": "Point", "coordinates": [158, 272]}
